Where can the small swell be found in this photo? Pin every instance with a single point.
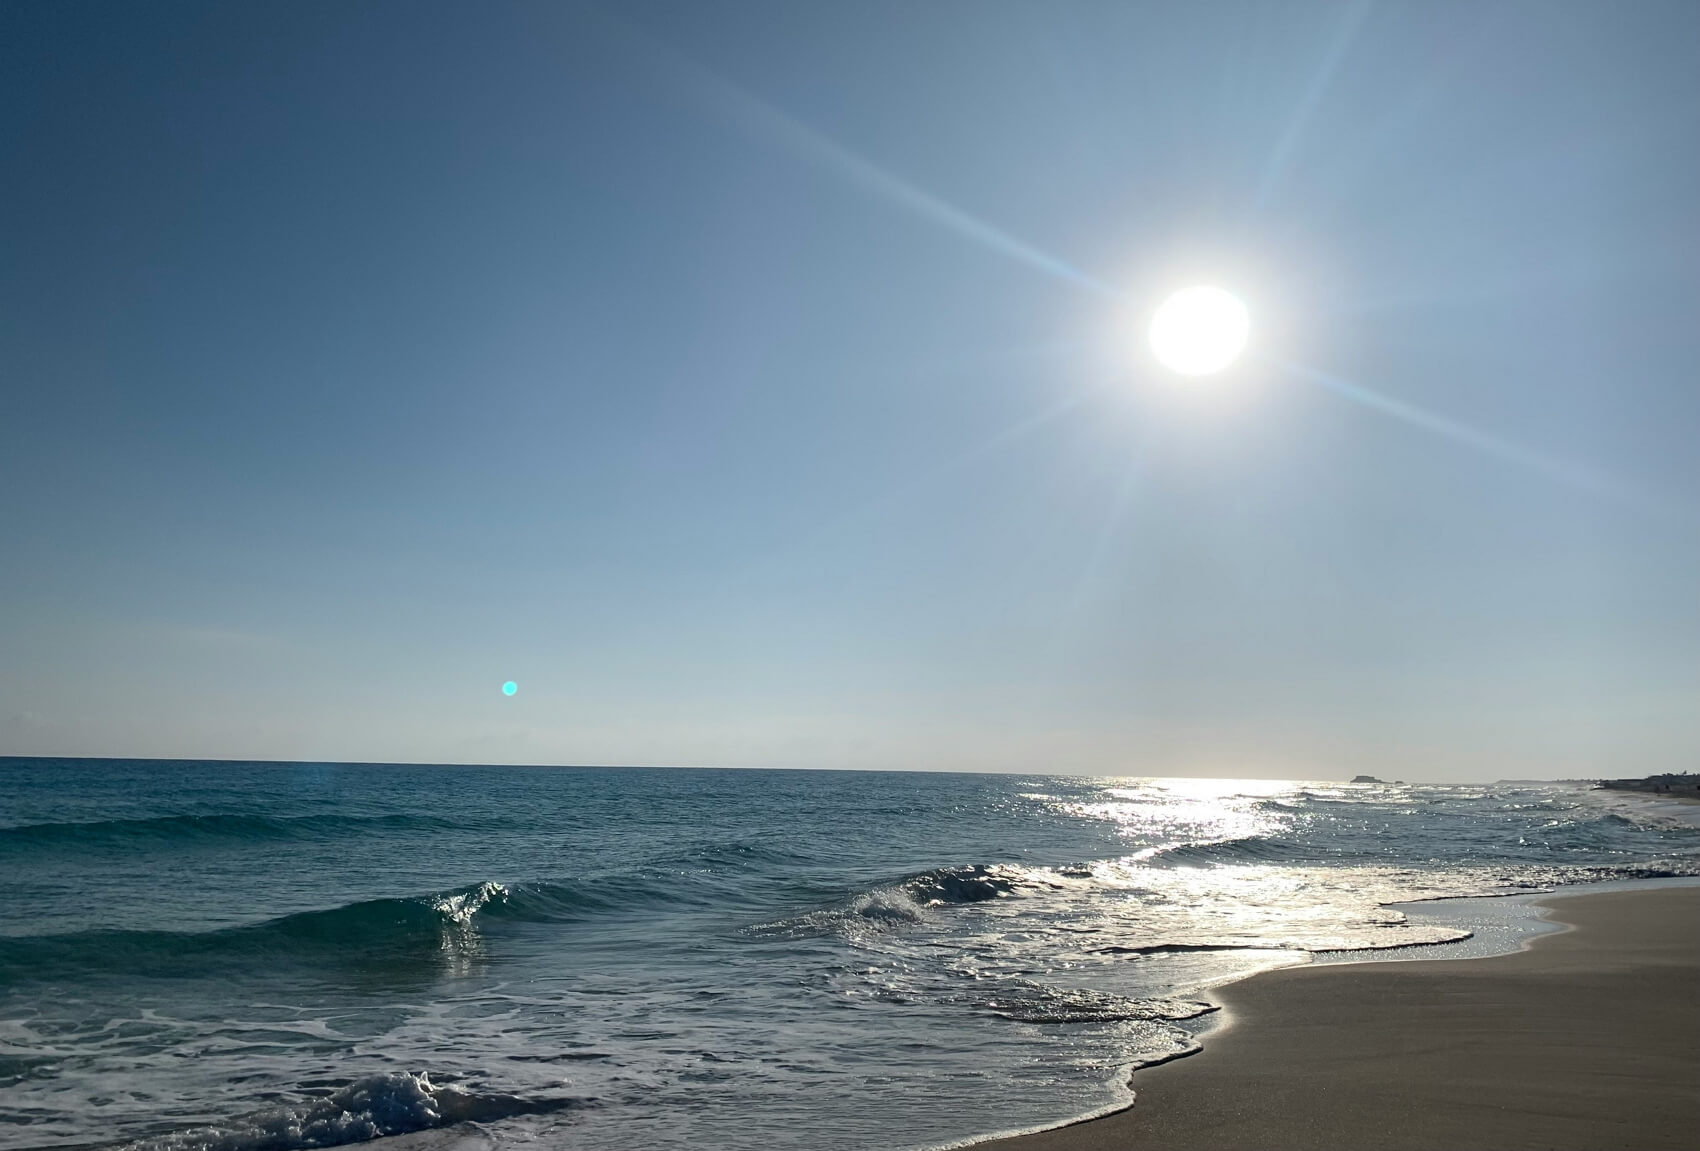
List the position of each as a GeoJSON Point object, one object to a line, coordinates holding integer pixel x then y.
{"type": "Point", "coordinates": [1249, 849]}
{"type": "Point", "coordinates": [190, 830]}
{"type": "Point", "coordinates": [728, 855]}
{"type": "Point", "coordinates": [369, 1108]}
{"type": "Point", "coordinates": [904, 902]}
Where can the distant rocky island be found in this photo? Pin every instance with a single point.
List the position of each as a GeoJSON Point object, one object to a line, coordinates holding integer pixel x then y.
{"type": "Point", "coordinates": [1686, 784]}
{"type": "Point", "coordinates": [1371, 779]}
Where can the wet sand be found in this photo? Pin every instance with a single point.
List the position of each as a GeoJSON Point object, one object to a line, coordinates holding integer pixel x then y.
{"type": "Point", "coordinates": [1587, 1040]}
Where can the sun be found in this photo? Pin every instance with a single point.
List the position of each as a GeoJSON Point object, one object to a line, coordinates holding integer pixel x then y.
{"type": "Point", "coordinates": [1199, 331]}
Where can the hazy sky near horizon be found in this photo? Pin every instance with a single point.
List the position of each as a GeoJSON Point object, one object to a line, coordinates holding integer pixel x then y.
{"type": "Point", "coordinates": [764, 384]}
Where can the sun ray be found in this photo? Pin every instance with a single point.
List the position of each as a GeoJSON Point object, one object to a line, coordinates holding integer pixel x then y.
{"type": "Point", "coordinates": [763, 120]}
{"type": "Point", "coordinates": [1280, 156]}
{"type": "Point", "coordinates": [1553, 467]}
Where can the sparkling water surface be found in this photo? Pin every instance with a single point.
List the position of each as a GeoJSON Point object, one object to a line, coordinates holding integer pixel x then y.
{"type": "Point", "coordinates": [233, 955]}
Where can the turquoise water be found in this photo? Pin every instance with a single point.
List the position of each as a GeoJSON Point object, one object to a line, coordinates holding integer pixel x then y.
{"type": "Point", "coordinates": [232, 955]}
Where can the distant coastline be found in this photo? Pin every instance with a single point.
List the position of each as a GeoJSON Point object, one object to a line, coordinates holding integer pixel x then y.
{"type": "Point", "coordinates": [1685, 785]}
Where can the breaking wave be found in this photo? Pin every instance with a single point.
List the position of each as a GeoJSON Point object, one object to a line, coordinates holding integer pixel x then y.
{"type": "Point", "coordinates": [369, 1108]}
{"type": "Point", "coordinates": [905, 901]}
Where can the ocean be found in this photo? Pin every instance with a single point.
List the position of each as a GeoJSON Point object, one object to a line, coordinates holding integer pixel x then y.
{"type": "Point", "coordinates": [250, 956]}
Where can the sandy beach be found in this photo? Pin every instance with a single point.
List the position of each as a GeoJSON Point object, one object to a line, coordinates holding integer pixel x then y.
{"type": "Point", "coordinates": [1589, 1039]}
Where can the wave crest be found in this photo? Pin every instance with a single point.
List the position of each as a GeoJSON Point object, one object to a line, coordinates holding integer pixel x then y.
{"type": "Point", "coordinates": [378, 934]}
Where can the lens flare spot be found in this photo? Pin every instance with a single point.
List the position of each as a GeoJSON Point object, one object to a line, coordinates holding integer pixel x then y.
{"type": "Point", "coordinates": [510, 687]}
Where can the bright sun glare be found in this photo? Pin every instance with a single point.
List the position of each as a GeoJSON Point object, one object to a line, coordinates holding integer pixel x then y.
{"type": "Point", "coordinates": [1199, 331]}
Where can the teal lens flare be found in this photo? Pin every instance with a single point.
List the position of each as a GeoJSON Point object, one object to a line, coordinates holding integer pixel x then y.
{"type": "Point", "coordinates": [510, 687]}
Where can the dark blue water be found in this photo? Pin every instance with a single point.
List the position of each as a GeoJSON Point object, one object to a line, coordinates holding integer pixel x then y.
{"type": "Point", "coordinates": [201, 955]}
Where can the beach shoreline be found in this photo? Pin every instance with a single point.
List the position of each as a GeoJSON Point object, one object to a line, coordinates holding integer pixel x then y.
{"type": "Point", "coordinates": [1586, 1038]}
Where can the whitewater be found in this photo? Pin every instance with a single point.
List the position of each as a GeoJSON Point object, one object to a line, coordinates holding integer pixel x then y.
{"type": "Point", "coordinates": [248, 956]}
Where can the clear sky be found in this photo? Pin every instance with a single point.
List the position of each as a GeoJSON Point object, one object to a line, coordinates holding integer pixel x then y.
{"type": "Point", "coordinates": [764, 384]}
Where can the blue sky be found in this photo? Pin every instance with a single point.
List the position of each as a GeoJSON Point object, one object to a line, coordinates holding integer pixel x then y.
{"type": "Point", "coordinates": [763, 384]}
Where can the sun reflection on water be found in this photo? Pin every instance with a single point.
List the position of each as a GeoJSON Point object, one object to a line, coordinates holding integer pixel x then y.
{"type": "Point", "coordinates": [1169, 813]}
